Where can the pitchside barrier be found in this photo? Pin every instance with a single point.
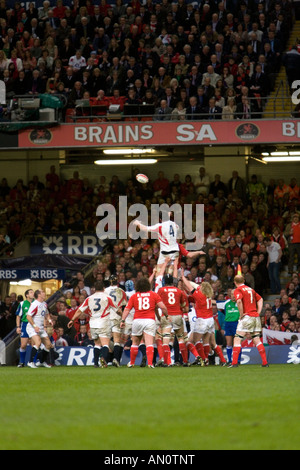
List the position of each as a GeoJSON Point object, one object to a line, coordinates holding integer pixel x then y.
{"type": "Point", "coordinates": [84, 356]}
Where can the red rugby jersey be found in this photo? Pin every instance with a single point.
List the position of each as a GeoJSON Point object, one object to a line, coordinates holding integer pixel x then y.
{"type": "Point", "coordinates": [249, 298]}
{"type": "Point", "coordinates": [173, 298]}
{"type": "Point", "coordinates": [144, 304]}
{"type": "Point", "coordinates": [203, 305]}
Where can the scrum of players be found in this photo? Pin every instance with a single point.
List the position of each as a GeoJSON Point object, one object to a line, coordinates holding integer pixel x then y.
{"type": "Point", "coordinates": [151, 313]}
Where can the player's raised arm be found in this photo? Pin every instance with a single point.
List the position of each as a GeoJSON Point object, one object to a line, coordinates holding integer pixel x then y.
{"type": "Point", "coordinates": [194, 254]}
{"type": "Point", "coordinates": [188, 286]}
{"type": "Point", "coordinates": [141, 226]}
{"type": "Point", "coordinates": [146, 228]}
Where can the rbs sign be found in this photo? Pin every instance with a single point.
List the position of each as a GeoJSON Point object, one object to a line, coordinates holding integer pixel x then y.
{"type": "Point", "coordinates": [38, 274]}
{"type": "Point", "coordinates": [87, 244]}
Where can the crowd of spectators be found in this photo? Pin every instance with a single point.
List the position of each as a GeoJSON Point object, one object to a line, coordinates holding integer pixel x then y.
{"type": "Point", "coordinates": [208, 57]}
{"type": "Point", "coordinates": [245, 224]}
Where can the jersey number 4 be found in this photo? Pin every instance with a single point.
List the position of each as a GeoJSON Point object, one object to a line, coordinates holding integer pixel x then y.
{"type": "Point", "coordinates": [171, 231]}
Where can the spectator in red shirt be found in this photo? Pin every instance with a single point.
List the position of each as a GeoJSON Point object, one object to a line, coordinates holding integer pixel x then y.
{"type": "Point", "coordinates": [60, 10]}
{"type": "Point", "coordinates": [52, 177]}
{"type": "Point", "coordinates": [248, 341]}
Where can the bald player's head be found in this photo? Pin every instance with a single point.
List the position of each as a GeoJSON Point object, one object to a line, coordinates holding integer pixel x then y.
{"type": "Point", "coordinates": [239, 280]}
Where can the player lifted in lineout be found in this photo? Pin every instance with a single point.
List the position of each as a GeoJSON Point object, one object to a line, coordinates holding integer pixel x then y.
{"type": "Point", "coordinates": [169, 248]}
{"type": "Point", "coordinates": [167, 235]}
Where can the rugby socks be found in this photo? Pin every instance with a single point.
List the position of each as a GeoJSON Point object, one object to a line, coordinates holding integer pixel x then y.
{"type": "Point", "coordinates": [235, 354]}
{"type": "Point", "coordinates": [206, 348]}
{"type": "Point", "coordinates": [142, 348]}
{"type": "Point", "coordinates": [160, 349]}
{"type": "Point", "coordinates": [200, 349]}
{"type": "Point", "coordinates": [34, 351]}
{"type": "Point", "coordinates": [44, 355]}
{"type": "Point", "coordinates": [22, 356]}
{"type": "Point", "coordinates": [219, 352]}
{"type": "Point", "coordinates": [262, 352]}
{"type": "Point", "coordinates": [229, 353]}
{"type": "Point", "coordinates": [118, 350]}
{"type": "Point", "coordinates": [192, 349]}
{"type": "Point", "coordinates": [167, 354]}
{"type": "Point", "coordinates": [184, 352]}
{"type": "Point", "coordinates": [96, 355]}
{"type": "Point", "coordinates": [51, 357]}
{"type": "Point", "coordinates": [104, 352]}
{"type": "Point", "coordinates": [150, 354]}
{"type": "Point", "coordinates": [133, 353]}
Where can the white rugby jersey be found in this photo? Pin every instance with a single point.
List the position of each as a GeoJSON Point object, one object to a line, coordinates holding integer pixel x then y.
{"type": "Point", "coordinates": [100, 306]}
{"type": "Point", "coordinates": [37, 311]}
{"type": "Point", "coordinates": [119, 298]}
{"type": "Point", "coordinates": [131, 313]}
{"type": "Point", "coordinates": [167, 235]}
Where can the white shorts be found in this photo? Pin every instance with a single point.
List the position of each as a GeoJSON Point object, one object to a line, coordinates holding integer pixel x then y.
{"type": "Point", "coordinates": [101, 332]}
{"type": "Point", "coordinates": [31, 332]}
{"type": "Point", "coordinates": [177, 322]}
{"type": "Point", "coordinates": [128, 324]}
{"type": "Point", "coordinates": [249, 324]}
{"type": "Point", "coordinates": [143, 325]}
{"type": "Point", "coordinates": [164, 323]}
{"type": "Point", "coordinates": [204, 325]}
{"type": "Point", "coordinates": [115, 325]}
{"type": "Point", "coordinates": [162, 257]}
{"type": "Point", "coordinates": [192, 320]}
{"type": "Point", "coordinates": [128, 329]}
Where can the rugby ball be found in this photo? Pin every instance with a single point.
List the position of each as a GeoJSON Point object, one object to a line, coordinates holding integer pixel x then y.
{"type": "Point", "coordinates": [141, 178]}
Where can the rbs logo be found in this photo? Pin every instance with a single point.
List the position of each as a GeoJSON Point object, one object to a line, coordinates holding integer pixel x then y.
{"type": "Point", "coordinates": [8, 274]}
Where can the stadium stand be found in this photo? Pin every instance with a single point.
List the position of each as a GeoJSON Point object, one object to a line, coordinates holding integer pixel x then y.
{"type": "Point", "coordinates": [207, 49]}
{"type": "Point", "coordinates": [97, 60]}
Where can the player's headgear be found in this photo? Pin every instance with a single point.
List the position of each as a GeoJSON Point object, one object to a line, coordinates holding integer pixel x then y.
{"type": "Point", "coordinates": [129, 285]}
{"type": "Point", "coordinates": [168, 280]}
{"type": "Point", "coordinates": [113, 279]}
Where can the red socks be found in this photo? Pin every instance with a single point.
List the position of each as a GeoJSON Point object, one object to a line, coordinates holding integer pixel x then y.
{"type": "Point", "coordinates": [184, 352]}
{"type": "Point", "coordinates": [235, 354]}
{"type": "Point", "coordinates": [192, 349]}
{"type": "Point", "coordinates": [160, 349]}
{"type": "Point", "coordinates": [260, 348]}
{"type": "Point", "coordinates": [150, 354]}
{"type": "Point", "coordinates": [167, 354]}
{"type": "Point", "coordinates": [133, 353]}
{"type": "Point", "coordinates": [206, 348]}
{"type": "Point", "coordinates": [219, 351]}
{"type": "Point", "coordinates": [200, 349]}
{"type": "Point", "coordinates": [262, 352]}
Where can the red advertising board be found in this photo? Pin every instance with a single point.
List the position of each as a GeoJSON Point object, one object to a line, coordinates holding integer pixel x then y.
{"type": "Point", "coordinates": [146, 134]}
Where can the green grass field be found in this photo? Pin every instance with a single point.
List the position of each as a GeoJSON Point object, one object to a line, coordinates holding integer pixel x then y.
{"type": "Point", "coordinates": [195, 408]}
